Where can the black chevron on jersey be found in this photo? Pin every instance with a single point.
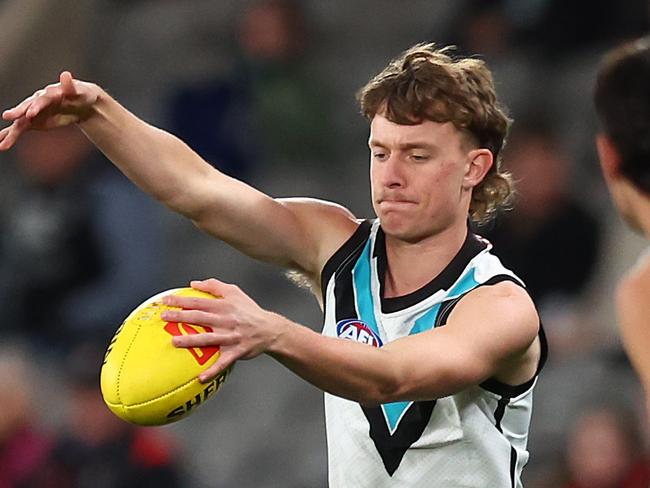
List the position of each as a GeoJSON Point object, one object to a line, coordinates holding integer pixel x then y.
{"type": "Point", "coordinates": [392, 448]}
{"type": "Point", "coordinates": [410, 443]}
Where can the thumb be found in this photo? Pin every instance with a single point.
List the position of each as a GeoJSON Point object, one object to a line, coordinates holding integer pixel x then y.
{"type": "Point", "coordinates": [67, 84]}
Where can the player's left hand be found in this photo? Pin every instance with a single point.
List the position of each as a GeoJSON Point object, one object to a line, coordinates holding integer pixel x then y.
{"type": "Point", "coordinates": [57, 105]}
{"type": "Point", "coordinates": [240, 327]}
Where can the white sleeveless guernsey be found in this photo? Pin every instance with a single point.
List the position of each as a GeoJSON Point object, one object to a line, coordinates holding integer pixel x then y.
{"type": "Point", "coordinates": [474, 438]}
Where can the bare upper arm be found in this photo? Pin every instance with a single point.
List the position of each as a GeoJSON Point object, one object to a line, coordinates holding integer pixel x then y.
{"type": "Point", "coordinates": [297, 233]}
{"type": "Point", "coordinates": [490, 331]}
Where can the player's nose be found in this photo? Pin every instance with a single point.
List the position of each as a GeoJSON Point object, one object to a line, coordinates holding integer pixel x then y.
{"type": "Point", "coordinates": [392, 175]}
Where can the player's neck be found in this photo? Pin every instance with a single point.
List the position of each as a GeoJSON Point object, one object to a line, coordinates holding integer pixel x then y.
{"type": "Point", "coordinates": [410, 266]}
{"type": "Point", "coordinates": [644, 219]}
{"type": "Point", "coordinates": [640, 208]}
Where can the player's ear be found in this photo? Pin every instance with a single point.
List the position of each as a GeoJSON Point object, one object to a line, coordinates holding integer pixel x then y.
{"type": "Point", "coordinates": [479, 163]}
{"type": "Point", "coordinates": [610, 158]}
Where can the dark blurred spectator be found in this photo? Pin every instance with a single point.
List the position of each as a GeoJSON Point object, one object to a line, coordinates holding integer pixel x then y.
{"type": "Point", "coordinates": [270, 109]}
{"type": "Point", "coordinates": [550, 30]}
{"type": "Point", "coordinates": [485, 28]}
{"type": "Point", "coordinates": [545, 50]}
{"type": "Point", "coordinates": [24, 448]}
{"type": "Point", "coordinates": [75, 255]}
{"type": "Point", "coordinates": [549, 238]}
{"type": "Point", "coordinates": [97, 449]}
{"type": "Point", "coordinates": [556, 28]}
{"type": "Point", "coordinates": [604, 450]}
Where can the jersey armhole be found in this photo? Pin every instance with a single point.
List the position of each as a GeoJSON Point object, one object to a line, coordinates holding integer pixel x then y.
{"type": "Point", "coordinates": [510, 391]}
{"type": "Point", "coordinates": [492, 384]}
{"type": "Point", "coordinates": [334, 262]}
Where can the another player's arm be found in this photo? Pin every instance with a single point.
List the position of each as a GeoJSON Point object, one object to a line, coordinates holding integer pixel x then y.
{"type": "Point", "coordinates": [296, 233]}
{"type": "Point", "coordinates": [633, 306]}
{"type": "Point", "coordinates": [490, 333]}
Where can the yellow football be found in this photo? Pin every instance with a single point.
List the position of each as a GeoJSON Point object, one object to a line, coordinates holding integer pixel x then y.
{"type": "Point", "coordinates": [144, 379]}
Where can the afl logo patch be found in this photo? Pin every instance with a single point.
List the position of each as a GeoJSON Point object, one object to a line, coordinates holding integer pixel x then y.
{"type": "Point", "coordinates": [356, 330]}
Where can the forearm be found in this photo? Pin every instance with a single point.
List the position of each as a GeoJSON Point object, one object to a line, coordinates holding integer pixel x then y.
{"type": "Point", "coordinates": [344, 368]}
{"type": "Point", "coordinates": [425, 366]}
{"type": "Point", "coordinates": [158, 162]}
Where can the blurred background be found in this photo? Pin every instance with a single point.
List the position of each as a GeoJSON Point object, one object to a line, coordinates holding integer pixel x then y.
{"type": "Point", "coordinates": [264, 90]}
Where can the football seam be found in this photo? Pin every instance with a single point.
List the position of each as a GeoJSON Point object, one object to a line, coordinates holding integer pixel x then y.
{"type": "Point", "coordinates": [171, 392]}
{"type": "Point", "coordinates": [126, 353]}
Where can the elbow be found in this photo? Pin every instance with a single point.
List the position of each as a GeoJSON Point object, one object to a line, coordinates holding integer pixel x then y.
{"type": "Point", "coordinates": [386, 390]}
{"type": "Point", "coordinates": [372, 401]}
{"type": "Point", "coordinates": [192, 195]}
{"type": "Point", "coordinates": [415, 387]}
{"type": "Point", "coordinates": [394, 383]}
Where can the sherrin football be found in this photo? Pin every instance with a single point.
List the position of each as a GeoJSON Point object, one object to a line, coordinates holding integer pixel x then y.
{"type": "Point", "coordinates": [145, 379]}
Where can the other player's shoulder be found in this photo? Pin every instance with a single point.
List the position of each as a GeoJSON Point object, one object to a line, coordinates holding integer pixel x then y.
{"type": "Point", "coordinates": [634, 288]}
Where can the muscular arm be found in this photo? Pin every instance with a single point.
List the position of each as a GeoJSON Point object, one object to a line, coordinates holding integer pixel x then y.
{"type": "Point", "coordinates": [491, 332]}
{"type": "Point", "coordinates": [487, 329]}
{"type": "Point", "coordinates": [297, 233]}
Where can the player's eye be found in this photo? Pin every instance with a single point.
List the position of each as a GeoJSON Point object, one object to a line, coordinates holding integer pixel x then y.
{"type": "Point", "coordinates": [419, 157]}
{"type": "Point", "coordinates": [379, 155]}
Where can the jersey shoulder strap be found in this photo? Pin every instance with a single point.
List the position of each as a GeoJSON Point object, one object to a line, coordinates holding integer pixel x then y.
{"type": "Point", "coordinates": [350, 248]}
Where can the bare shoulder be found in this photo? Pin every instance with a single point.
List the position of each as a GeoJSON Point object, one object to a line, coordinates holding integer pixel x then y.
{"type": "Point", "coordinates": [504, 296]}
{"type": "Point", "coordinates": [633, 292]}
{"type": "Point", "coordinates": [327, 221]}
{"type": "Point", "coordinates": [633, 308]}
{"type": "Point", "coordinates": [504, 309]}
{"type": "Point", "coordinates": [498, 326]}
{"type": "Point", "coordinates": [326, 225]}
{"type": "Point", "coordinates": [316, 205]}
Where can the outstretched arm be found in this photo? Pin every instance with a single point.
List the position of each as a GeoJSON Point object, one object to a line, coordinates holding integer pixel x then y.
{"type": "Point", "coordinates": [296, 233]}
{"type": "Point", "coordinates": [491, 332]}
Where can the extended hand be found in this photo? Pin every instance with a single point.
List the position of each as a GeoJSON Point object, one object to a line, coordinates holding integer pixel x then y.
{"type": "Point", "coordinates": [56, 105]}
{"type": "Point", "coordinates": [241, 328]}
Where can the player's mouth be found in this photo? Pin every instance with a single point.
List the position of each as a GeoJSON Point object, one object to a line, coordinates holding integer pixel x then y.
{"type": "Point", "coordinates": [395, 203]}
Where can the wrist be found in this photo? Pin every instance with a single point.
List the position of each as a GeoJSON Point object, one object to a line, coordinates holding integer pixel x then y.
{"type": "Point", "coordinates": [281, 332]}
{"type": "Point", "coordinates": [96, 106]}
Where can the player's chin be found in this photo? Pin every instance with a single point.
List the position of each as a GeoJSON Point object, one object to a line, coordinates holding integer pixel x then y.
{"type": "Point", "coordinates": [396, 225]}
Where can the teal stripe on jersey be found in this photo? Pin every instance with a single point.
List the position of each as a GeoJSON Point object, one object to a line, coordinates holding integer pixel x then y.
{"type": "Point", "coordinates": [465, 284]}
{"type": "Point", "coordinates": [427, 320]}
{"type": "Point", "coordinates": [363, 290]}
{"type": "Point", "coordinates": [394, 411]}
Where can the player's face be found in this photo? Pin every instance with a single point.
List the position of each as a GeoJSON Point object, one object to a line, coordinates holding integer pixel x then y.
{"type": "Point", "coordinates": [418, 177]}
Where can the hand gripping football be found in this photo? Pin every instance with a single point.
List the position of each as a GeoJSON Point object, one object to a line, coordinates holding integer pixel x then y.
{"type": "Point", "coordinates": [144, 379]}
